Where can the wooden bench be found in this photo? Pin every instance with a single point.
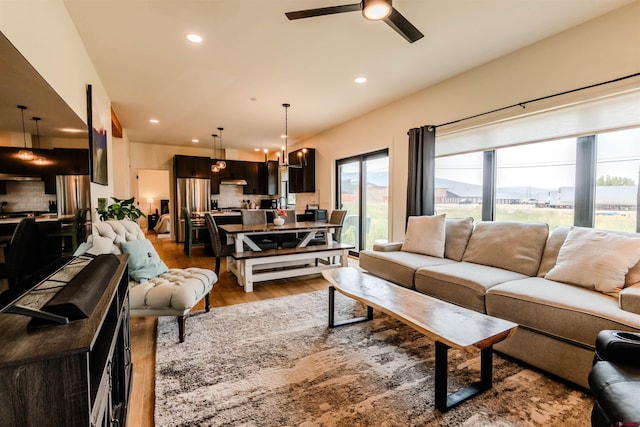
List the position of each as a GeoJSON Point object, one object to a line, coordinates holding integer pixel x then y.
{"type": "Point", "coordinates": [259, 266]}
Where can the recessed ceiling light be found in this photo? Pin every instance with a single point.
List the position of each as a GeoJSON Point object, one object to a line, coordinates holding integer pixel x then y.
{"type": "Point", "coordinates": [70, 130]}
{"type": "Point", "coordinates": [154, 121]}
{"type": "Point", "coordinates": [256, 149]}
{"type": "Point", "coordinates": [195, 140]}
{"type": "Point", "coordinates": [194, 38]}
{"type": "Point", "coordinates": [283, 136]}
{"type": "Point", "coordinates": [360, 79]}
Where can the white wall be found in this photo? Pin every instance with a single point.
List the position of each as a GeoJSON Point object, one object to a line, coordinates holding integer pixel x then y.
{"type": "Point", "coordinates": [45, 35]}
{"type": "Point", "coordinates": [599, 50]}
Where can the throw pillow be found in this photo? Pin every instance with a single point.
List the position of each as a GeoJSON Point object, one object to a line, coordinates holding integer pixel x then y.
{"type": "Point", "coordinates": [144, 262]}
{"type": "Point", "coordinates": [596, 259]}
{"type": "Point", "coordinates": [425, 235]}
{"type": "Point", "coordinates": [457, 233]}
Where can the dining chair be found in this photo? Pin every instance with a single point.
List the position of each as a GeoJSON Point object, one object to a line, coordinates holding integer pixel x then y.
{"type": "Point", "coordinates": [219, 250]}
{"type": "Point", "coordinates": [191, 227]}
{"type": "Point", "coordinates": [257, 217]}
{"type": "Point", "coordinates": [18, 264]}
{"type": "Point", "coordinates": [337, 217]}
{"type": "Point", "coordinates": [75, 231]}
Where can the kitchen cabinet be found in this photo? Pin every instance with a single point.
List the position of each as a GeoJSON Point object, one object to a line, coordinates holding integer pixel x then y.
{"type": "Point", "coordinates": [272, 178]}
{"type": "Point", "coordinates": [302, 179]}
{"type": "Point", "coordinates": [192, 166]}
{"type": "Point", "coordinates": [78, 374]}
{"type": "Point", "coordinates": [214, 178]}
{"type": "Point", "coordinates": [255, 177]}
{"type": "Point", "coordinates": [235, 170]}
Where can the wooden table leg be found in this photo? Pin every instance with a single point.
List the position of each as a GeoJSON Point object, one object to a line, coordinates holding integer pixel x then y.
{"type": "Point", "coordinates": [444, 402]}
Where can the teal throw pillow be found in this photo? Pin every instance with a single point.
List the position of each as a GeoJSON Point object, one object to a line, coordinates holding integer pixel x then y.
{"type": "Point", "coordinates": [144, 262]}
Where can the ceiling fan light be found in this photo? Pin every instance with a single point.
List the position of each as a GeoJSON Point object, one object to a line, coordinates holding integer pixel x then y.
{"type": "Point", "coordinates": [375, 10]}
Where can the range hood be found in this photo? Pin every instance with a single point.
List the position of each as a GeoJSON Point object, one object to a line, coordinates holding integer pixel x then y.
{"type": "Point", "coordinates": [233, 182]}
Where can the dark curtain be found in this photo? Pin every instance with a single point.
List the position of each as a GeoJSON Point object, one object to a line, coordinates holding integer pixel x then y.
{"type": "Point", "coordinates": [421, 174]}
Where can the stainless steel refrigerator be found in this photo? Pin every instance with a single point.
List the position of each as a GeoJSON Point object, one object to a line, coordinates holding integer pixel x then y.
{"type": "Point", "coordinates": [73, 192]}
{"type": "Point", "coordinates": [193, 193]}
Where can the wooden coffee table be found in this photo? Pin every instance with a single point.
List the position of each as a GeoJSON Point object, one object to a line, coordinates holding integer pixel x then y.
{"type": "Point", "coordinates": [449, 325]}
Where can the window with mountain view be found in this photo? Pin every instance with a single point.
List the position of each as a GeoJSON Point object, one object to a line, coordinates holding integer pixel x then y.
{"type": "Point", "coordinates": [617, 174]}
{"type": "Point", "coordinates": [536, 182]}
{"type": "Point", "coordinates": [458, 186]}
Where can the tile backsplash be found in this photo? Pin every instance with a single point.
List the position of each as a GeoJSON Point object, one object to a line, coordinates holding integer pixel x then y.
{"type": "Point", "coordinates": [26, 196]}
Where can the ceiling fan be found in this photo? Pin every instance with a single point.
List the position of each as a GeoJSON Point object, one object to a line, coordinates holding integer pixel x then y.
{"type": "Point", "coordinates": [374, 10]}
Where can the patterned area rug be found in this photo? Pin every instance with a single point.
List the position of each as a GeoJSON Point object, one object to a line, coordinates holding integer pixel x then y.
{"type": "Point", "coordinates": [275, 363]}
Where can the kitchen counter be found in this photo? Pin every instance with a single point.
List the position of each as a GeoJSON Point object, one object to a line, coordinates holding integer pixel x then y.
{"type": "Point", "coordinates": [39, 218]}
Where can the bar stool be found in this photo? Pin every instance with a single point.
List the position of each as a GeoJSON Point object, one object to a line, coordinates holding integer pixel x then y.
{"type": "Point", "coordinates": [18, 263]}
{"type": "Point", "coordinates": [74, 231]}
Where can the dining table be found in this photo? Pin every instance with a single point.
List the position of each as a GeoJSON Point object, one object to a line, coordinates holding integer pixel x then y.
{"type": "Point", "coordinates": [242, 233]}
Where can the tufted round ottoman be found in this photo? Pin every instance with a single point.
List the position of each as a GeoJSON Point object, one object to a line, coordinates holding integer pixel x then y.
{"type": "Point", "coordinates": [173, 293]}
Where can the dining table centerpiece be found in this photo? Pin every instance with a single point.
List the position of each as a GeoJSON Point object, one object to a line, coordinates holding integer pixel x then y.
{"type": "Point", "coordinates": [278, 216]}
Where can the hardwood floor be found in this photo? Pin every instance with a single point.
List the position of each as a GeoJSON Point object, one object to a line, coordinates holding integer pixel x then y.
{"type": "Point", "coordinates": [225, 292]}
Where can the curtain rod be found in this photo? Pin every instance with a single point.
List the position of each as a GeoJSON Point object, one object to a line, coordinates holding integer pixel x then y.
{"type": "Point", "coordinates": [523, 104]}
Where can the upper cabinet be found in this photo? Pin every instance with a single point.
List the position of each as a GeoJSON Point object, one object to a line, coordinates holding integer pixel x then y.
{"type": "Point", "coordinates": [235, 169]}
{"type": "Point", "coordinates": [192, 166]}
{"type": "Point", "coordinates": [302, 171]}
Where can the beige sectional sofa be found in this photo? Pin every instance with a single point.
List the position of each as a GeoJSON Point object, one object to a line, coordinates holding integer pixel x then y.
{"type": "Point", "coordinates": [561, 288]}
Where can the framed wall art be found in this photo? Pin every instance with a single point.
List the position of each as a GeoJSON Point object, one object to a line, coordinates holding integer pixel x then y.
{"type": "Point", "coordinates": [97, 143]}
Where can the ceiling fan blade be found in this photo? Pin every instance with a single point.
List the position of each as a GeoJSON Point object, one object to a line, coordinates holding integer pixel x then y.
{"type": "Point", "coordinates": [310, 13]}
{"type": "Point", "coordinates": [405, 28]}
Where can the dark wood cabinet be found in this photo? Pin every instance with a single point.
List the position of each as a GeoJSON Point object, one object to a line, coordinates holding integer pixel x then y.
{"type": "Point", "coordinates": [192, 166]}
{"type": "Point", "coordinates": [302, 176]}
{"type": "Point", "coordinates": [76, 374]}
{"type": "Point", "coordinates": [272, 178]}
{"type": "Point", "coordinates": [235, 170]}
{"type": "Point", "coordinates": [255, 177]}
{"type": "Point", "coordinates": [214, 178]}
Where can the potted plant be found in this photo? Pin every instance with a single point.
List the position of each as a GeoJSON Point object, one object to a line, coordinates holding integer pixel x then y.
{"type": "Point", "coordinates": [121, 209]}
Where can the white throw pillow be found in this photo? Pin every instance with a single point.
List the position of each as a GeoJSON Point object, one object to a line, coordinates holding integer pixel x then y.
{"type": "Point", "coordinates": [425, 235]}
{"type": "Point", "coordinates": [596, 259]}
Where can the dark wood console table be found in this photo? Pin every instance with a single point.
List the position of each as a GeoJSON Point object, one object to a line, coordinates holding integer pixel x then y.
{"type": "Point", "coordinates": [77, 374]}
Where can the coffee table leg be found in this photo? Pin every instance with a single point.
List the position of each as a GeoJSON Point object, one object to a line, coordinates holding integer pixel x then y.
{"type": "Point", "coordinates": [332, 314]}
{"type": "Point", "coordinates": [444, 402]}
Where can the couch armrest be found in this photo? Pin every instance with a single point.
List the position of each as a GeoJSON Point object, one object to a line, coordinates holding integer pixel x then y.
{"type": "Point", "coordinates": [387, 247]}
{"type": "Point", "coordinates": [630, 298]}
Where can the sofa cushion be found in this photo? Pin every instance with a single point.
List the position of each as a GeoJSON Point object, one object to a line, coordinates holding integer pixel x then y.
{"type": "Point", "coordinates": [397, 267]}
{"type": "Point", "coordinates": [572, 313]}
{"type": "Point", "coordinates": [144, 262]}
{"type": "Point", "coordinates": [458, 231]}
{"type": "Point", "coordinates": [511, 246]}
{"type": "Point", "coordinates": [596, 259]}
{"type": "Point", "coordinates": [551, 249]}
{"type": "Point", "coordinates": [425, 235]}
{"type": "Point", "coordinates": [461, 283]}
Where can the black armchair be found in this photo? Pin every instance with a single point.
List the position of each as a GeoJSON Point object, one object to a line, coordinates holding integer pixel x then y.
{"type": "Point", "coordinates": [615, 379]}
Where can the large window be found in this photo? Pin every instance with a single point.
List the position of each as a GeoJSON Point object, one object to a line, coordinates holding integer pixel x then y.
{"type": "Point", "coordinates": [458, 191]}
{"type": "Point", "coordinates": [617, 174]}
{"type": "Point", "coordinates": [536, 183]}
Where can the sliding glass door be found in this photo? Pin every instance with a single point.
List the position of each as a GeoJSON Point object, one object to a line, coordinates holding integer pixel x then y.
{"type": "Point", "coordinates": [363, 191]}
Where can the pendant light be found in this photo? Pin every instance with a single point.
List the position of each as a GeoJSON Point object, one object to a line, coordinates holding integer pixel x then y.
{"type": "Point", "coordinates": [39, 160]}
{"type": "Point", "coordinates": [214, 168]}
{"type": "Point", "coordinates": [285, 148]}
{"type": "Point", "coordinates": [24, 154]}
{"type": "Point", "coordinates": [221, 163]}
